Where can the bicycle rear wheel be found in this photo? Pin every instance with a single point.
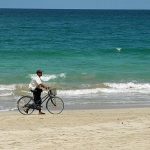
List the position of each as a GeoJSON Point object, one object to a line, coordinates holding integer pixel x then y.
{"type": "Point", "coordinates": [55, 105]}
{"type": "Point", "coordinates": [25, 105]}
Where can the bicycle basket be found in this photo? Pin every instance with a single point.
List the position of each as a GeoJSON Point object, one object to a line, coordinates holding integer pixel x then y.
{"type": "Point", "coordinates": [53, 92]}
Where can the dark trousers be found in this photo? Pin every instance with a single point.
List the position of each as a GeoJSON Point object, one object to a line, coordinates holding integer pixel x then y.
{"type": "Point", "coordinates": [37, 96]}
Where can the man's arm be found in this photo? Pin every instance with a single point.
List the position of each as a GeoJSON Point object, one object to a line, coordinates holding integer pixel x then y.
{"type": "Point", "coordinates": [43, 86]}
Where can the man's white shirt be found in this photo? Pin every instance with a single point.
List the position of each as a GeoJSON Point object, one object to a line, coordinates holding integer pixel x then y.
{"type": "Point", "coordinates": [35, 82]}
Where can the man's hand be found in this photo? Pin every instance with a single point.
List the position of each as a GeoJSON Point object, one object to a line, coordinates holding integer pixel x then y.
{"type": "Point", "coordinates": [47, 88]}
{"type": "Point", "coordinates": [44, 86]}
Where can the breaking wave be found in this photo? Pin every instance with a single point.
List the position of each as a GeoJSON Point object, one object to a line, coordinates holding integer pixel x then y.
{"type": "Point", "coordinates": [48, 77]}
{"type": "Point", "coordinates": [130, 87]}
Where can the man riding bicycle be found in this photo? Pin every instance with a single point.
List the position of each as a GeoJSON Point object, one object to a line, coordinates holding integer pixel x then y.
{"type": "Point", "coordinates": [36, 86]}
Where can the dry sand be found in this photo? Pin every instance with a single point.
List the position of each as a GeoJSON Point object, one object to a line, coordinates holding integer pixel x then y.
{"type": "Point", "coordinates": [119, 129]}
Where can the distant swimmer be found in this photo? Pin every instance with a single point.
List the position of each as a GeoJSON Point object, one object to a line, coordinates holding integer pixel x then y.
{"type": "Point", "coordinates": [119, 49]}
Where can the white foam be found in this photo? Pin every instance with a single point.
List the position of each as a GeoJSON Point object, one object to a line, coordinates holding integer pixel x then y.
{"type": "Point", "coordinates": [7, 87]}
{"type": "Point", "coordinates": [143, 88]}
{"type": "Point", "coordinates": [128, 87]}
{"type": "Point", "coordinates": [47, 77]}
{"type": "Point", "coordinates": [6, 94]}
{"type": "Point", "coordinates": [79, 92]}
{"type": "Point", "coordinates": [6, 90]}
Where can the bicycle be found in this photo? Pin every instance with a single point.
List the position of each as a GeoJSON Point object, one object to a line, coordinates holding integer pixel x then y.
{"type": "Point", "coordinates": [54, 104]}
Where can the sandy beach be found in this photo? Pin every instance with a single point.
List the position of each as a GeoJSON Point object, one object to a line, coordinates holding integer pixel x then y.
{"type": "Point", "coordinates": [108, 129]}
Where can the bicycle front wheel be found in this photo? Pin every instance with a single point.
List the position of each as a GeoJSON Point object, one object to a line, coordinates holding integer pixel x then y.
{"type": "Point", "coordinates": [25, 105]}
{"type": "Point", "coordinates": [55, 105]}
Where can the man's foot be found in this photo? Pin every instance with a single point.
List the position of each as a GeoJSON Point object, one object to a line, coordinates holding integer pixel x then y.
{"type": "Point", "coordinates": [41, 113]}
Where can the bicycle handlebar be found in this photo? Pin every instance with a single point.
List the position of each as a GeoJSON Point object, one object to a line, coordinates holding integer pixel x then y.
{"type": "Point", "coordinates": [52, 91]}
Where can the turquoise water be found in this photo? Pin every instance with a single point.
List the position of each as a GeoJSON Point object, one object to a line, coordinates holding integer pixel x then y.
{"type": "Point", "coordinates": [76, 49]}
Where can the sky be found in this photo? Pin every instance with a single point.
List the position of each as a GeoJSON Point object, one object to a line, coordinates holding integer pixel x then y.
{"type": "Point", "coordinates": [76, 4]}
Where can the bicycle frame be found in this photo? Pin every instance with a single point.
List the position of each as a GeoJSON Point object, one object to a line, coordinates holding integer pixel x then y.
{"type": "Point", "coordinates": [44, 98]}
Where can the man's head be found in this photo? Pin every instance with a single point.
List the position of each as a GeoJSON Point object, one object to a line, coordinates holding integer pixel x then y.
{"type": "Point", "coordinates": [39, 73]}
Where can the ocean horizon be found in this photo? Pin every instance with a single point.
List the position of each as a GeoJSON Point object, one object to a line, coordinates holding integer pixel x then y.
{"type": "Point", "coordinates": [95, 58]}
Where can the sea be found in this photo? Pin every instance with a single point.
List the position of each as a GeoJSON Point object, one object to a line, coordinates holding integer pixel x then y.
{"type": "Point", "coordinates": [95, 58]}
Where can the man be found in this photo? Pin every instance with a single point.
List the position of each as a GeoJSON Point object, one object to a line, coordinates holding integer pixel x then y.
{"type": "Point", "coordinates": [36, 86]}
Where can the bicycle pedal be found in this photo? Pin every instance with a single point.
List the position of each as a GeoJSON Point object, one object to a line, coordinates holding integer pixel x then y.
{"type": "Point", "coordinates": [26, 110]}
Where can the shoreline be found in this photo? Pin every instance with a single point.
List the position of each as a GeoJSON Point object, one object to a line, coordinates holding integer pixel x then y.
{"type": "Point", "coordinates": [108, 129]}
{"type": "Point", "coordinates": [81, 108]}
{"type": "Point", "coordinates": [16, 112]}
